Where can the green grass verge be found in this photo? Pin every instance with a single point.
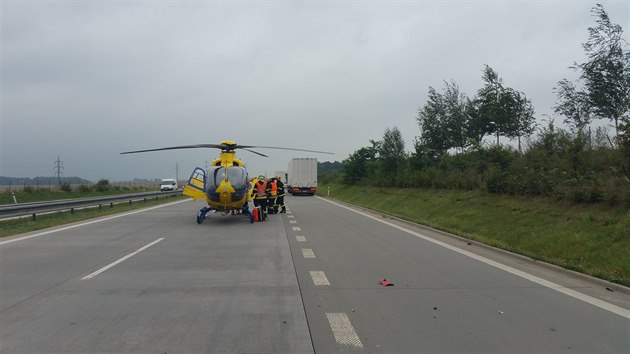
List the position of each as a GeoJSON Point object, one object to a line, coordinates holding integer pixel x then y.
{"type": "Point", "coordinates": [46, 194]}
{"type": "Point", "coordinates": [592, 239]}
{"type": "Point", "coordinates": [27, 224]}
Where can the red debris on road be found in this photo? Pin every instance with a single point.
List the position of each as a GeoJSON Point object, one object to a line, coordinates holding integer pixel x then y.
{"type": "Point", "coordinates": [384, 282]}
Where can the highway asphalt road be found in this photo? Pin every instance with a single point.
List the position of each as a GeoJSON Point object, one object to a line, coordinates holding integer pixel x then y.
{"type": "Point", "coordinates": [154, 281]}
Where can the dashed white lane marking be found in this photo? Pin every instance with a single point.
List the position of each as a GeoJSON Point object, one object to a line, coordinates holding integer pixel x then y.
{"type": "Point", "coordinates": [300, 238]}
{"type": "Point", "coordinates": [342, 330]}
{"type": "Point", "coordinates": [90, 276]}
{"type": "Point", "coordinates": [308, 253]}
{"type": "Point", "coordinates": [292, 222]}
{"type": "Point", "coordinates": [296, 228]}
{"type": "Point", "coordinates": [319, 278]}
{"type": "Point", "coordinates": [90, 222]}
{"type": "Point", "coordinates": [548, 284]}
{"type": "Point", "coordinates": [290, 216]}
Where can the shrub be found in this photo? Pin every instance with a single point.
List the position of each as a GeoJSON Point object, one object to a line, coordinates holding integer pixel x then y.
{"type": "Point", "coordinates": [466, 180]}
{"type": "Point", "coordinates": [617, 192]}
{"type": "Point", "coordinates": [500, 156]}
{"type": "Point", "coordinates": [328, 177]}
{"type": "Point", "coordinates": [65, 187]}
{"type": "Point", "coordinates": [84, 188]}
{"type": "Point", "coordinates": [496, 180]}
{"type": "Point", "coordinates": [102, 185]}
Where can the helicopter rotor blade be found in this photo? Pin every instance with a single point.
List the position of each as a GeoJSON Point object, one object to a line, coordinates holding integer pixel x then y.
{"type": "Point", "coordinates": [255, 152]}
{"type": "Point", "coordinates": [283, 148]}
{"type": "Point", "coordinates": [225, 147]}
{"type": "Point", "coordinates": [216, 146]}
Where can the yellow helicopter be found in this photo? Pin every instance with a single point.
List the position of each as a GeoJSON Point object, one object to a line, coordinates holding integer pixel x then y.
{"type": "Point", "coordinates": [225, 185]}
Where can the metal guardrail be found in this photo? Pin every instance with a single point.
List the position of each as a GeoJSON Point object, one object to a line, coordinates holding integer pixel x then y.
{"type": "Point", "coordinates": [21, 209]}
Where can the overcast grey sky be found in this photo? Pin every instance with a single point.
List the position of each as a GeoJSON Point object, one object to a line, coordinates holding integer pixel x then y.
{"type": "Point", "coordinates": [86, 80]}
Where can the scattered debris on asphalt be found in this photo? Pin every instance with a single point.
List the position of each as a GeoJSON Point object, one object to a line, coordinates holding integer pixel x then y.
{"type": "Point", "coordinates": [384, 282]}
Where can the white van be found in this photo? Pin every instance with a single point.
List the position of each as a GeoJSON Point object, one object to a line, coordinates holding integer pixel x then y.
{"type": "Point", "coordinates": [168, 184]}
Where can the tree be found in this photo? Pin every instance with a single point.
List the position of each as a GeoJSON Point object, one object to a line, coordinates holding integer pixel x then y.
{"type": "Point", "coordinates": [573, 104]}
{"type": "Point", "coordinates": [456, 118]}
{"type": "Point", "coordinates": [606, 73]}
{"type": "Point", "coordinates": [489, 99]}
{"type": "Point", "coordinates": [432, 128]}
{"type": "Point", "coordinates": [503, 110]}
{"type": "Point", "coordinates": [421, 156]}
{"type": "Point", "coordinates": [443, 120]}
{"type": "Point", "coordinates": [391, 152]}
{"type": "Point", "coordinates": [357, 166]}
{"type": "Point", "coordinates": [478, 125]}
{"type": "Point", "coordinates": [521, 112]}
{"type": "Point", "coordinates": [102, 185]}
{"type": "Point", "coordinates": [327, 166]}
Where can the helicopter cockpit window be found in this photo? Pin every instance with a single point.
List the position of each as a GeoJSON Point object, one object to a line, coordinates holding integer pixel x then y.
{"type": "Point", "coordinates": [213, 182]}
{"type": "Point", "coordinates": [237, 176]}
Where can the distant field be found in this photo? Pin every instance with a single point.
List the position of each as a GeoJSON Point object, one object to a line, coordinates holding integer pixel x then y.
{"type": "Point", "coordinates": [589, 238]}
{"type": "Point", "coordinates": [55, 186]}
{"type": "Point", "coordinates": [33, 194]}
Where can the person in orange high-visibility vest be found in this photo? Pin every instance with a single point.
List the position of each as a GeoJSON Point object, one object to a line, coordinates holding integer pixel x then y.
{"type": "Point", "coordinates": [260, 195]}
{"type": "Point", "coordinates": [272, 188]}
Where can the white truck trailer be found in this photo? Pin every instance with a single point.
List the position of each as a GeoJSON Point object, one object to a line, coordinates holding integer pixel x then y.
{"type": "Point", "coordinates": [302, 176]}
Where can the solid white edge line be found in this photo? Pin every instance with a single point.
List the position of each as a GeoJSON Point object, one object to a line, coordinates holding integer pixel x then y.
{"type": "Point", "coordinates": [92, 275]}
{"type": "Point", "coordinates": [88, 223]}
{"type": "Point", "coordinates": [548, 284]}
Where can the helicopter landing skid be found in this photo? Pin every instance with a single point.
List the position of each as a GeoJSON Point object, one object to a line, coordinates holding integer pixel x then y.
{"type": "Point", "coordinates": [201, 215]}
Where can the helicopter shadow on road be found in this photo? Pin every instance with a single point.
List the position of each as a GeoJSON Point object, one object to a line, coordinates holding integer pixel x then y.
{"type": "Point", "coordinates": [218, 219]}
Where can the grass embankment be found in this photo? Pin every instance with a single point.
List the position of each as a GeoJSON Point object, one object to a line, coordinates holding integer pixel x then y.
{"type": "Point", "coordinates": [592, 239]}
{"type": "Point", "coordinates": [27, 224]}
